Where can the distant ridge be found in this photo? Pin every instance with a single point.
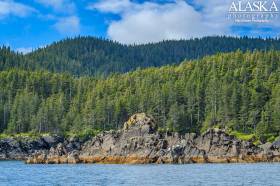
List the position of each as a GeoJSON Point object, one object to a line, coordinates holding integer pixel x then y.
{"type": "Point", "coordinates": [100, 57]}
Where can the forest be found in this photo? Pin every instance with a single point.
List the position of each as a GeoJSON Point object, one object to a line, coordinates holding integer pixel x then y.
{"type": "Point", "coordinates": [238, 91]}
{"type": "Point", "coordinates": [89, 56]}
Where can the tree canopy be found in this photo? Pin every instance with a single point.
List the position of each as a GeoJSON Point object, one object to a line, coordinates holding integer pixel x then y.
{"type": "Point", "coordinates": [239, 91]}
{"type": "Point", "coordinates": [99, 57]}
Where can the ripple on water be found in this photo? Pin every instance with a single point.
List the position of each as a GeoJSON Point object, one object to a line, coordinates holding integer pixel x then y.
{"type": "Point", "coordinates": [18, 173]}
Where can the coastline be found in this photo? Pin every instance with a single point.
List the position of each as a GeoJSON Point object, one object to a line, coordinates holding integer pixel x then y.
{"type": "Point", "coordinates": [140, 143]}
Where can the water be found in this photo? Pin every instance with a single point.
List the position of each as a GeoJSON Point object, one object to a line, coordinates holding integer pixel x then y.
{"type": "Point", "coordinates": [18, 173]}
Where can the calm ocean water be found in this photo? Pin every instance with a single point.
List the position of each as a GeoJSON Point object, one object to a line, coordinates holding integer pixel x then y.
{"type": "Point", "coordinates": [18, 173]}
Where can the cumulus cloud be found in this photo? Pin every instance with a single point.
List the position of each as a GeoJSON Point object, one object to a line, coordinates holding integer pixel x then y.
{"type": "Point", "coordinates": [68, 25]}
{"type": "Point", "coordinates": [152, 22]}
{"type": "Point", "coordinates": [66, 6]}
{"type": "Point", "coordinates": [9, 7]}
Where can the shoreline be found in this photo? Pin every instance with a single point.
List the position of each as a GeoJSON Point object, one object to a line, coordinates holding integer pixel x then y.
{"type": "Point", "coordinates": [140, 143]}
{"type": "Point", "coordinates": [156, 164]}
{"type": "Point", "coordinates": [132, 160]}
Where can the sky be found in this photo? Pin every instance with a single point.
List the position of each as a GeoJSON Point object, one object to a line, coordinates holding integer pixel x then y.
{"type": "Point", "coordinates": [28, 24]}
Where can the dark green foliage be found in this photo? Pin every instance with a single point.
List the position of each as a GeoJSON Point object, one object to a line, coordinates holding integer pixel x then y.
{"type": "Point", "coordinates": [91, 56]}
{"type": "Point", "coordinates": [239, 91]}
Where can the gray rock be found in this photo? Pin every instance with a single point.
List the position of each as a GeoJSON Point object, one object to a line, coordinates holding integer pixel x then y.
{"type": "Point", "coordinates": [138, 142]}
{"type": "Point", "coordinates": [52, 140]}
{"type": "Point", "coordinates": [266, 147]}
{"type": "Point", "coordinates": [276, 144]}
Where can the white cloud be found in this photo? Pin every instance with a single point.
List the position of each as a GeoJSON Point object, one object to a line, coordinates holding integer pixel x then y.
{"type": "Point", "coordinates": [114, 6]}
{"type": "Point", "coordinates": [66, 6]}
{"type": "Point", "coordinates": [67, 21]}
{"type": "Point", "coordinates": [68, 25]}
{"type": "Point", "coordinates": [24, 50]}
{"type": "Point", "coordinates": [152, 22]}
{"type": "Point", "coordinates": [9, 7]}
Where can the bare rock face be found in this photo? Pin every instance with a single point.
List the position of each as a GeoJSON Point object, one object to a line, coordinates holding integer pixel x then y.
{"type": "Point", "coordinates": [141, 122]}
{"type": "Point", "coordinates": [140, 143]}
{"type": "Point", "coordinates": [19, 148]}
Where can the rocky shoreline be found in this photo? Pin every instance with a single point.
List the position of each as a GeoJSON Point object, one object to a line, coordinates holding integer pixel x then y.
{"type": "Point", "coordinates": [20, 148]}
{"type": "Point", "coordinates": [140, 143]}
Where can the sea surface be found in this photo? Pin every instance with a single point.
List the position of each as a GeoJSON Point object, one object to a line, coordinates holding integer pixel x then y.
{"type": "Point", "coordinates": [18, 173]}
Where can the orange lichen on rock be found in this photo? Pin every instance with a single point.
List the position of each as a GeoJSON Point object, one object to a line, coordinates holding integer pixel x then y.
{"type": "Point", "coordinates": [116, 160]}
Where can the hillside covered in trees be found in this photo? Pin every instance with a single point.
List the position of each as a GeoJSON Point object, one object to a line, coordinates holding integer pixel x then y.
{"type": "Point", "coordinates": [237, 91]}
{"type": "Point", "coordinates": [97, 57]}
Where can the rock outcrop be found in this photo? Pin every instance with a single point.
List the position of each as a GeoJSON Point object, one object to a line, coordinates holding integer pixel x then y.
{"type": "Point", "coordinates": [140, 143]}
{"type": "Point", "coordinates": [19, 148]}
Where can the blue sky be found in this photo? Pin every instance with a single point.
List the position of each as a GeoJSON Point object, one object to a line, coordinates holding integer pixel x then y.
{"type": "Point", "coordinates": [28, 24]}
